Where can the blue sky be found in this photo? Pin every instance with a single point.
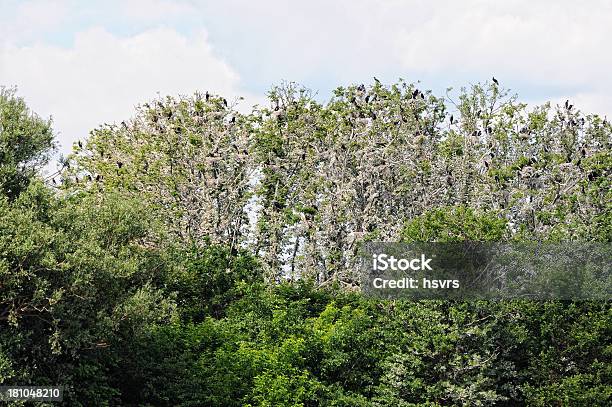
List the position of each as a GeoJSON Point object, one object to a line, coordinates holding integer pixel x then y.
{"type": "Point", "coordinates": [86, 63]}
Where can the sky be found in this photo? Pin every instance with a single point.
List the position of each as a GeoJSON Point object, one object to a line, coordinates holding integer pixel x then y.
{"type": "Point", "coordinates": [85, 63]}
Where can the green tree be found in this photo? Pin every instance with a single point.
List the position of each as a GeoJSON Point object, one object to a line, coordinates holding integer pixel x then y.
{"type": "Point", "coordinates": [26, 141]}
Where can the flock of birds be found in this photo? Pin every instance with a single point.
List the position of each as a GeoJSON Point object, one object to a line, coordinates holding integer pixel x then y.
{"type": "Point", "coordinates": [277, 111]}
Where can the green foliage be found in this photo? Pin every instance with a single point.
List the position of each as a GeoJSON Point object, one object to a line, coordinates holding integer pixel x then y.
{"type": "Point", "coordinates": [76, 279]}
{"type": "Point", "coordinates": [455, 224]}
{"type": "Point", "coordinates": [206, 280]}
{"type": "Point", "coordinates": [25, 143]}
{"type": "Point", "coordinates": [139, 282]}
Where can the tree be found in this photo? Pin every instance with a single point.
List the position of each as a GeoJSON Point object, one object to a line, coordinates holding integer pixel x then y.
{"type": "Point", "coordinates": [187, 157]}
{"type": "Point", "coordinates": [26, 141]}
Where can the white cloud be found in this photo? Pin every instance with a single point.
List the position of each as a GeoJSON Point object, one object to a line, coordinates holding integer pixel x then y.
{"type": "Point", "coordinates": [546, 44]}
{"type": "Point", "coordinates": [102, 76]}
{"type": "Point", "coordinates": [30, 18]}
{"type": "Point", "coordinates": [558, 46]}
{"type": "Point", "coordinates": [537, 41]}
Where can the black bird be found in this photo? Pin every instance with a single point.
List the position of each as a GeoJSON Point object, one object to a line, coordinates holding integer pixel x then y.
{"type": "Point", "coordinates": [207, 96]}
{"type": "Point", "coordinates": [495, 81]}
{"type": "Point", "coordinates": [367, 98]}
{"type": "Point", "coordinates": [225, 102]}
{"type": "Point", "coordinates": [376, 80]}
{"type": "Point", "coordinates": [451, 119]}
{"type": "Point", "coordinates": [80, 144]}
{"type": "Point", "coordinates": [233, 119]}
{"type": "Point", "coordinates": [98, 177]}
{"type": "Point", "coordinates": [415, 93]}
{"type": "Point", "coordinates": [583, 153]}
{"type": "Point", "coordinates": [361, 87]}
{"type": "Point", "coordinates": [89, 178]}
{"type": "Point", "coordinates": [53, 180]}
{"type": "Point", "coordinates": [567, 104]}
{"type": "Point", "coordinates": [119, 164]}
